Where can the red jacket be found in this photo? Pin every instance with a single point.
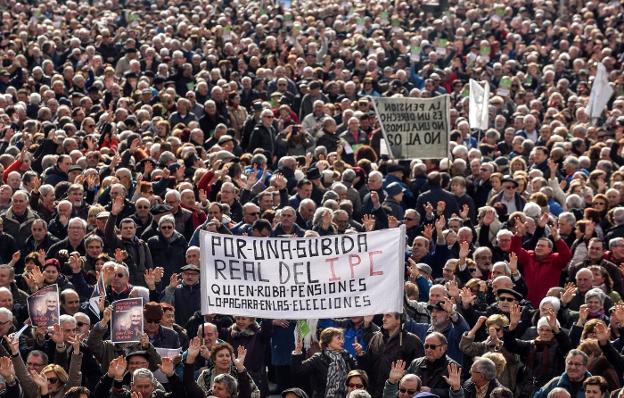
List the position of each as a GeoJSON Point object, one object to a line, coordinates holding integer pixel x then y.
{"type": "Point", "coordinates": [541, 275]}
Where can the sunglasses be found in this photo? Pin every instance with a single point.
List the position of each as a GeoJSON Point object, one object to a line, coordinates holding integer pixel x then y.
{"type": "Point", "coordinates": [81, 324]}
{"type": "Point", "coordinates": [166, 227]}
{"type": "Point", "coordinates": [53, 380]}
{"type": "Point", "coordinates": [408, 219]}
{"type": "Point", "coordinates": [432, 346]}
{"type": "Point", "coordinates": [407, 391]}
{"type": "Point", "coordinates": [507, 299]}
{"type": "Point", "coordinates": [354, 385]}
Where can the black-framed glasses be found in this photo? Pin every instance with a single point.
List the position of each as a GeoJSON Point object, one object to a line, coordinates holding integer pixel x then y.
{"type": "Point", "coordinates": [53, 380]}
{"type": "Point", "coordinates": [166, 227]}
{"type": "Point", "coordinates": [432, 346]}
{"type": "Point", "coordinates": [407, 391]}
{"type": "Point", "coordinates": [355, 385]}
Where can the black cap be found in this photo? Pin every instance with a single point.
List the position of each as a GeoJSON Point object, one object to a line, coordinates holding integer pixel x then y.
{"type": "Point", "coordinates": [313, 174]}
{"type": "Point", "coordinates": [190, 267]}
{"type": "Point", "coordinates": [160, 209]}
{"type": "Point", "coordinates": [514, 293]}
{"type": "Point", "coordinates": [508, 178]}
{"type": "Point", "coordinates": [135, 353]}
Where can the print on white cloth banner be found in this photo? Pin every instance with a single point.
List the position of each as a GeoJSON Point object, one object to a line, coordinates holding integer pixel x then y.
{"type": "Point", "coordinates": [303, 278]}
{"type": "Point", "coordinates": [415, 128]}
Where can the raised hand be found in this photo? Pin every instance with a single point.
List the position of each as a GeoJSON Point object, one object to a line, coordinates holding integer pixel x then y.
{"type": "Point", "coordinates": [583, 313]}
{"type": "Point", "coordinates": [150, 278]}
{"type": "Point", "coordinates": [75, 343]}
{"type": "Point", "coordinates": [552, 320]}
{"type": "Point", "coordinates": [375, 199]}
{"type": "Point", "coordinates": [239, 361]}
{"type": "Point", "coordinates": [57, 335]}
{"type": "Point", "coordinates": [6, 369]}
{"type": "Point", "coordinates": [489, 217]}
{"type": "Point", "coordinates": [397, 371]}
{"type": "Point", "coordinates": [193, 350]}
{"type": "Point", "coordinates": [453, 288]}
{"type": "Point", "coordinates": [619, 313]}
{"type": "Point", "coordinates": [144, 341]}
{"type": "Point", "coordinates": [440, 224]}
{"type": "Point", "coordinates": [393, 222]}
{"type": "Point", "coordinates": [447, 305]}
{"type": "Point", "coordinates": [464, 211]}
{"type": "Point", "coordinates": [75, 263]}
{"type": "Point", "coordinates": [454, 376]}
{"type": "Point", "coordinates": [108, 312]}
{"type": "Point", "coordinates": [513, 263]}
{"type": "Point", "coordinates": [569, 291]}
{"type": "Point", "coordinates": [369, 222]}
{"type": "Point", "coordinates": [359, 351]}
{"type": "Point", "coordinates": [602, 333]}
{"type": "Point", "coordinates": [520, 227]}
{"type": "Point", "coordinates": [173, 280]}
{"type": "Point", "coordinates": [515, 314]}
{"type": "Point", "coordinates": [13, 343]}
{"type": "Point", "coordinates": [543, 220]}
{"type": "Point", "coordinates": [298, 346]}
{"type": "Point", "coordinates": [40, 380]}
{"type": "Point", "coordinates": [428, 209]}
{"type": "Point", "coordinates": [117, 368]}
{"type": "Point", "coordinates": [428, 231]}
{"type": "Point", "coordinates": [467, 297]}
{"type": "Point", "coordinates": [167, 366]}
{"type": "Point", "coordinates": [464, 249]}
{"type": "Point", "coordinates": [440, 207]}
{"type": "Point", "coordinates": [117, 205]}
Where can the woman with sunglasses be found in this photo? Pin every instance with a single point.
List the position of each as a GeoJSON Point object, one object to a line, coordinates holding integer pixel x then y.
{"type": "Point", "coordinates": [53, 381]}
{"type": "Point", "coordinates": [357, 380]}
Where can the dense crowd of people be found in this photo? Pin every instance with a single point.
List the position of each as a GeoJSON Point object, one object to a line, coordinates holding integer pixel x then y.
{"type": "Point", "coordinates": [127, 127]}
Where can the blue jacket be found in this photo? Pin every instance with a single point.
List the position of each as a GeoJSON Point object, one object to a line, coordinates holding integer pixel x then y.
{"type": "Point", "coordinates": [453, 334]}
{"type": "Point", "coordinates": [562, 381]}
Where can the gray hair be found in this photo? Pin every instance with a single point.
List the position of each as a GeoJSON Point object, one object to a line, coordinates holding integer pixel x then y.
{"type": "Point", "coordinates": [11, 271]}
{"type": "Point", "coordinates": [575, 352]}
{"type": "Point", "coordinates": [229, 382]}
{"type": "Point", "coordinates": [67, 319]}
{"type": "Point", "coordinates": [597, 293]}
{"type": "Point", "coordinates": [614, 242]}
{"type": "Point", "coordinates": [166, 219]}
{"type": "Point", "coordinates": [143, 373]}
{"type": "Point", "coordinates": [7, 312]}
{"type": "Point", "coordinates": [318, 215]}
{"type": "Point", "coordinates": [486, 367]}
{"type": "Point", "coordinates": [78, 220]}
{"type": "Point", "coordinates": [359, 394]}
{"type": "Point", "coordinates": [574, 201]}
{"type": "Point", "coordinates": [569, 217]}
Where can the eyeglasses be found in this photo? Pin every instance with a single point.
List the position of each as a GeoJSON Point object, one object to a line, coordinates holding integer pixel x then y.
{"type": "Point", "coordinates": [256, 213]}
{"type": "Point", "coordinates": [407, 391]}
{"type": "Point", "coordinates": [269, 117]}
{"type": "Point", "coordinates": [575, 364]}
{"type": "Point", "coordinates": [53, 380]}
{"type": "Point", "coordinates": [120, 275]}
{"type": "Point", "coordinates": [81, 324]}
{"type": "Point", "coordinates": [166, 227]}
{"type": "Point", "coordinates": [508, 299]}
{"type": "Point", "coordinates": [471, 270]}
{"type": "Point", "coordinates": [509, 187]}
{"type": "Point", "coordinates": [34, 364]}
{"type": "Point", "coordinates": [432, 346]}
{"type": "Point", "coordinates": [408, 219]}
{"type": "Point", "coordinates": [151, 321]}
{"type": "Point", "coordinates": [355, 385]}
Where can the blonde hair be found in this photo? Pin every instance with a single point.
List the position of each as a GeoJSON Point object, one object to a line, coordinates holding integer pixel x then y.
{"type": "Point", "coordinates": [58, 371]}
{"type": "Point", "coordinates": [498, 359]}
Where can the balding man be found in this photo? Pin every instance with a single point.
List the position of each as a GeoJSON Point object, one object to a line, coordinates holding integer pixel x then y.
{"type": "Point", "coordinates": [408, 386]}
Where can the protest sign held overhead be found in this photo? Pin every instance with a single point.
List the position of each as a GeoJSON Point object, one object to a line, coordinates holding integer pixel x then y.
{"type": "Point", "coordinates": [43, 306]}
{"type": "Point", "coordinates": [415, 128]}
{"type": "Point", "coordinates": [303, 278]}
{"type": "Point", "coordinates": [127, 320]}
{"type": "Point", "coordinates": [478, 105]}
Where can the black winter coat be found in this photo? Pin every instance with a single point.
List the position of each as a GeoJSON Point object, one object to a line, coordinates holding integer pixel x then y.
{"type": "Point", "coordinates": [316, 368]}
{"type": "Point", "coordinates": [169, 254]}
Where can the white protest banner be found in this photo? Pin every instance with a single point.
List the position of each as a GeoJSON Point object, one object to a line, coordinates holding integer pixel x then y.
{"type": "Point", "coordinates": [601, 93]}
{"type": "Point", "coordinates": [303, 278]}
{"type": "Point", "coordinates": [415, 128]}
{"type": "Point", "coordinates": [478, 114]}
